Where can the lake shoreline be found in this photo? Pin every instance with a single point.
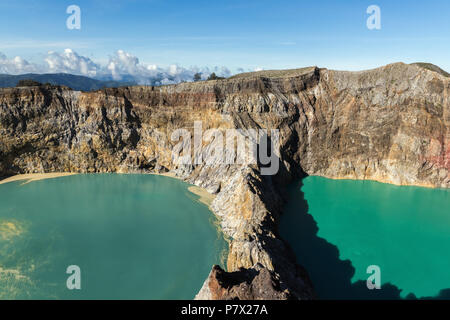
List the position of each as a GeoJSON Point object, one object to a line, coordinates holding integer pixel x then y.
{"type": "Point", "coordinates": [30, 177]}
{"type": "Point", "coordinates": [204, 196]}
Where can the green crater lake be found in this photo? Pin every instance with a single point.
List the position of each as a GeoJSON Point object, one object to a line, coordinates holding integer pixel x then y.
{"type": "Point", "coordinates": [338, 228]}
{"type": "Point", "coordinates": [133, 237]}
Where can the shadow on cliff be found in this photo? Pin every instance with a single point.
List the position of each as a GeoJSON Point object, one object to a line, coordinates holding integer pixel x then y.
{"type": "Point", "coordinates": [330, 275]}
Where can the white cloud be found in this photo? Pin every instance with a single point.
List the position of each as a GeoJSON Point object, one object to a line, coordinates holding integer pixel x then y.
{"type": "Point", "coordinates": [16, 65]}
{"type": "Point", "coordinates": [120, 66]}
{"type": "Point", "coordinates": [123, 63]}
{"type": "Point", "coordinates": [70, 62]}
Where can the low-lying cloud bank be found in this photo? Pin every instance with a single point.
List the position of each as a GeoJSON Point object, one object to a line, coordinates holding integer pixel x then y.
{"type": "Point", "coordinates": [121, 66]}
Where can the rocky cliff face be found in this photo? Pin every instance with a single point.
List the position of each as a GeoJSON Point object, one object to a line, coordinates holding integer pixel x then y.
{"type": "Point", "coordinates": [389, 124]}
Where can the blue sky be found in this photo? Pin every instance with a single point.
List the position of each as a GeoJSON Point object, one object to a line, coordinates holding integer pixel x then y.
{"type": "Point", "coordinates": [245, 34]}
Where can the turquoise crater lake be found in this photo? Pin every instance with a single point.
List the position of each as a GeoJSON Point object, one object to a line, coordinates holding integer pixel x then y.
{"type": "Point", "coordinates": [133, 237]}
{"type": "Point", "coordinates": [338, 228]}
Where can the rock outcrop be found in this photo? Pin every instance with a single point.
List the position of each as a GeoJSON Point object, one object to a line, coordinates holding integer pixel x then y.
{"type": "Point", "coordinates": [257, 283]}
{"type": "Point", "coordinates": [389, 124]}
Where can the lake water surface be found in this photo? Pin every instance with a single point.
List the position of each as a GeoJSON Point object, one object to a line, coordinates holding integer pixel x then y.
{"type": "Point", "coordinates": [133, 237]}
{"type": "Point", "coordinates": [340, 227]}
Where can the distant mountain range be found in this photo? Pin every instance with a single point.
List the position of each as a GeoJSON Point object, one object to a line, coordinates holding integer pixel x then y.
{"type": "Point", "coordinates": [75, 82]}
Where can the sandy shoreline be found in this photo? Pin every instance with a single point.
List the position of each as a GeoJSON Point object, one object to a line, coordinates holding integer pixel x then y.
{"type": "Point", "coordinates": [27, 178]}
{"type": "Point", "coordinates": [205, 197]}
